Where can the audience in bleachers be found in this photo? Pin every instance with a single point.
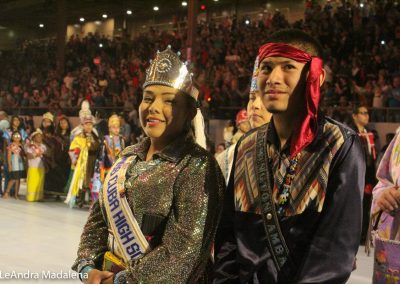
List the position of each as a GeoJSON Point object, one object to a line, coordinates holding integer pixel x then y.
{"type": "Point", "coordinates": [361, 58]}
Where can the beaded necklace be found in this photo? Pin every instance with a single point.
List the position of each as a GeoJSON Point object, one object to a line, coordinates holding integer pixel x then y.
{"type": "Point", "coordinates": [284, 191]}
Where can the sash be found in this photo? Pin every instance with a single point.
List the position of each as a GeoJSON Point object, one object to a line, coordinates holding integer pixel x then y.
{"type": "Point", "coordinates": [127, 235]}
{"type": "Point", "coordinates": [276, 242]}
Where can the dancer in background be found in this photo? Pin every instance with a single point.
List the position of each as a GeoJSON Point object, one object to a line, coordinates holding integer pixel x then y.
{"type": "Point", "coordinates": [113, 145]}
{"type": "Point", "coordinates": [386, 199]}
{"type": "Point", "coordinates": [35, 151]}
{"type": "Point", "coordinates": [16, 164]}
{"type": "Point", "coordinates": [15, 126]}
{"type": "Point", "coordinates": [83, 152]}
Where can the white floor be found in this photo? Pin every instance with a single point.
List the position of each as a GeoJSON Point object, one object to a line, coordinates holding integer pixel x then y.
{"type": "Point", "coordinates": [42, 238]}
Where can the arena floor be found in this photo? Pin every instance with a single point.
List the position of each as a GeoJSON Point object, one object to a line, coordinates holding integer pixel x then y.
{"type": "Point", "coordinates": [39, 241]}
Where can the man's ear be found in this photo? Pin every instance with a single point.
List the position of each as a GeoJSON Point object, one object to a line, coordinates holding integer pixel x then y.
{"type": "Point", "coordinates": [322, 77]}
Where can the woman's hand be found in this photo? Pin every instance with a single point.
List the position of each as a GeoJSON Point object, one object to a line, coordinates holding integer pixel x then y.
{"type": "Point", "coordinates": [99, 277]}
{"type": "Point", "coordinates": [389, 200]}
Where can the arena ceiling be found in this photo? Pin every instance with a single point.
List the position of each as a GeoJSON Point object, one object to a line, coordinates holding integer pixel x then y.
{"type": "Point", "coordinates": [29, 13]}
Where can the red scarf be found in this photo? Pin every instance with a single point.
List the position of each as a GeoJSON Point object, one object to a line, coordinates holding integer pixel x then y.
{"type": "Point", "coordinates": [306, 134]}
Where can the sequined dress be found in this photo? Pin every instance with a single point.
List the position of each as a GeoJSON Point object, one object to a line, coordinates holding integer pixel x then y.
{"type": "Point", "coordinates": [176, 198]}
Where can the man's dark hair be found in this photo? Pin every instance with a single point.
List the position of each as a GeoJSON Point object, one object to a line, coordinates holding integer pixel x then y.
{"type": "Point", "coordinates": [356, 108]}
{"type": "Point", "coordinates": [299, 39]}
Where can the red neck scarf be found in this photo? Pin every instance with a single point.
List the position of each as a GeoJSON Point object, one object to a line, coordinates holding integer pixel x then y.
{"type": "Point", "coordinates": [305, 135]}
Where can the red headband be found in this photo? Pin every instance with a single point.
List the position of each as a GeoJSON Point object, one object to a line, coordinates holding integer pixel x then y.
{"type": "Point", "coordinates": [308, 128]}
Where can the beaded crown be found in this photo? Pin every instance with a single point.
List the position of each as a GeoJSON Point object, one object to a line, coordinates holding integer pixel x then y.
{"type": "Point", "coordinates": [167, 69]}
{"type": "Point", "coordinates": [253, 84]}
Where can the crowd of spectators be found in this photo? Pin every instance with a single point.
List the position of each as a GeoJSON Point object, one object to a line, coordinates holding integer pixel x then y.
{"type": "Point", "coordinates": [361, 45]}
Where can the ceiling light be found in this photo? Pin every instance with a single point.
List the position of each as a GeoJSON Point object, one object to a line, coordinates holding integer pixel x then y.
{"type": "Point", "coordinates": [41, 26]}
{"type": "Point", "coordinates": [129, 12]}
{"type": "Point", "coordinates": [82, 19]}
{"type": "Point", "coordinates": [155, 8]}
{"type": "Point", "coordinates": [98, 23]}
{"type": "Point", "coordinates": [100, 45]}
{"type": "Point", "coordinates": [104, 16]}
{"type": "Point", "coordinates": [184, 3]}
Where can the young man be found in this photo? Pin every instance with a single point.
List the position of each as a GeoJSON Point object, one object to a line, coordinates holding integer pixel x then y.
{"type": "Point", "coordinates": [367, 138]}
{"type": "Point", "coordinates": [256, 116]}
{"type": "Point", "coordinates": [292, 211]}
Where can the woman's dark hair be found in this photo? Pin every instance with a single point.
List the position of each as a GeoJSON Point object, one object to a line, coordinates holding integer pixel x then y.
{"type": "Point", "coordinates": [58, 127]}
{"type": "Point", "coordinates": [20, 122]}
{"type": "Point", "coordinates": [191, 104]}
{"type": "Point", "coordinates": [49, 129]}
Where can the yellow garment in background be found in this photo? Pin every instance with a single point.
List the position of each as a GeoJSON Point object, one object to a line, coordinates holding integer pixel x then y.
{"type": "Point", "coordinates": [79, 176]}
{"type": "Point", "coordinates": [35, 184]}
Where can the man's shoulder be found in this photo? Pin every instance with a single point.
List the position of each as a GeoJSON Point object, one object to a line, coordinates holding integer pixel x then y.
{"type": "Point", "coordinates": [336, 130]}
{"type": "Point", "coordinates": [252, 134]}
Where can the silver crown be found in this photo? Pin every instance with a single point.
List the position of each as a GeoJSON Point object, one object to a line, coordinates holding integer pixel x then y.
{"type": "Point", "coordinates": [167, 69]}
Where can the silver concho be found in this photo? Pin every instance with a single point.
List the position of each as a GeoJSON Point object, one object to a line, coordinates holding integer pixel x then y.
{"type": "Point", "coordinates": [164, 65]}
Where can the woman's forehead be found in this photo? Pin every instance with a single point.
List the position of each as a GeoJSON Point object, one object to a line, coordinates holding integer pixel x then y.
{"type": "Point", "coordinates": [160, 89]}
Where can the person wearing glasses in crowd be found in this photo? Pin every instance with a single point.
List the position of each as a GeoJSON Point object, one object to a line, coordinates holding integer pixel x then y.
{"type": "Point", "coordinates": [367, 137]}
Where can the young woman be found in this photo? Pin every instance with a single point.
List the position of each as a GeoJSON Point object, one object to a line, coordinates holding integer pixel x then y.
{"type": "Point", "coordinates": [16, 164]}
{"type": "Point", "coordinates": [157, 213]}
{"type": "Point", "coordinates": [63, 163]}
{"type": "Point", "coordinates": [52, 179]}
{"type": "Point", "coordinates": [15, 126]}
{"type": "Point", "coordinates": [35, 151]}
